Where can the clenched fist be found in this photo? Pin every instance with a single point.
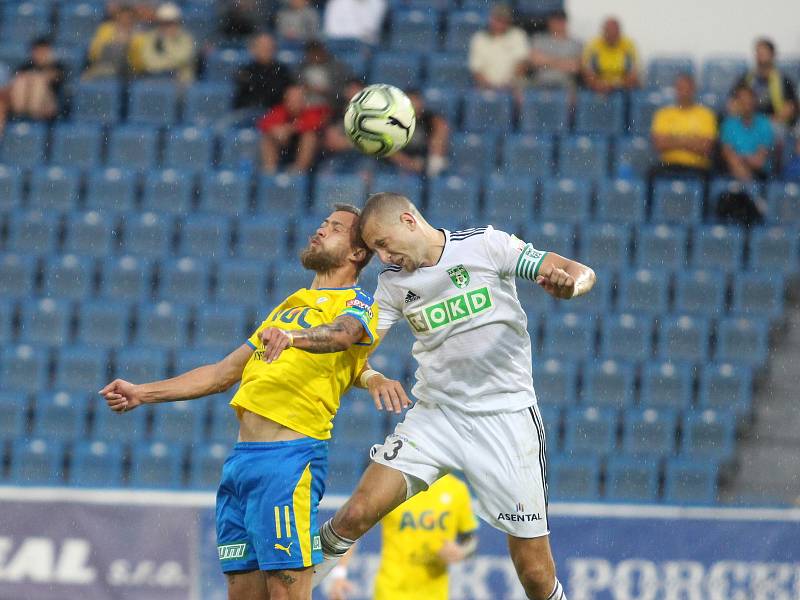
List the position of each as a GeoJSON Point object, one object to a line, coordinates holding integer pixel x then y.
{"type": "Point", "coordinates": [556, 282]}
{"type": "Point", "coordinates": [121, 395]}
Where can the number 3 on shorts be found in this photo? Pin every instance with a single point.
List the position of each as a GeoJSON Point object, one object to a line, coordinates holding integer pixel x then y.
{"type": "Point", "coordinates": [397, 445]}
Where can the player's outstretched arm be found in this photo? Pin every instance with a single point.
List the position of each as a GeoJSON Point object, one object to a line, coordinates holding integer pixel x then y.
{"type": "Point", "coordinates": [337, 336]}
{"type": "Point", "coordinates": [564, 278]}
{"type": "Point", "coordinates": [385, 392]}
{"type": "Point", "coordinates": [121, 395]}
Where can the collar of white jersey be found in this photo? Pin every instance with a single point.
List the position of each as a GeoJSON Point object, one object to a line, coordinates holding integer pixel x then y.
{"type": "Point", "coordinates": [446, 233]}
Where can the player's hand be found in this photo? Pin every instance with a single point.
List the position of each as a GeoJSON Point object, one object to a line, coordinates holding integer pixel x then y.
{"type": "Point", "coordinates": [451, 553]}
{"type": "Point", "coordinates": [275, 341]}
{"type": "Point", "coordinates": [556, 282]}
{"type": "Point", "coordinates": [121, 396]}
{"type": "Point", "coordinates": [387, 393]}
{"type": "Point", "coordinates": [340, 589]}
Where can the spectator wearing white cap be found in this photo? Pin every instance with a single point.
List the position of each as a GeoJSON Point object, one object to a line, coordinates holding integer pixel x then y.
{"type": "Point", "coordinates": [168, 50]}
{"type": "Point", "coordinates": [354, 19]}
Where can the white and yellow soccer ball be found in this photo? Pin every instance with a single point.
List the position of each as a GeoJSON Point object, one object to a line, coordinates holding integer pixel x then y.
{"type": "Point", "coordinates": [379, 120]}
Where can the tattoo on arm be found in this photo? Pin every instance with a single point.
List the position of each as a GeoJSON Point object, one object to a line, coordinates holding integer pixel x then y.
{"type": "Point", "coordinates": [331, 337]}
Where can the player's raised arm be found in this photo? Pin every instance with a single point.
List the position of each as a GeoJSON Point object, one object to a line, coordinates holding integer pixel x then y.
{"type": "Point", "coordinates": [564, 278]}
{"type": "Point", "coordinates": [121, 395]}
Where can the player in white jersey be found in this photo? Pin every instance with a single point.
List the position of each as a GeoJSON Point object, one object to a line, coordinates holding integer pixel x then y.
{"type": "Point", "coordinates": [476, 408]}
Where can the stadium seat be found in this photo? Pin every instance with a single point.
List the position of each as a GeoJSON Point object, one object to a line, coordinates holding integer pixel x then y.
{"type": "Point", "coordinates": [184, 279]}
{"type": "Point", "coordinates": [608, 383]}
{"type": "Point", "coordinates": [633, 157]}
{"type": "Point", "coordinates": [54, 188]}
{"type": "Point", "coordinates": [11, 181]}
{"type": "Point", "coordinates": [409, 186]}
{"type": "Point", "coordinates": [599, 301]}
{"type": "Point", "coordinates": [288, 279]}
{"type": "Point", "coordinates": [25, 21]}
{"type": "Point", "coordinates": [77, 145]}
{"type": "Point", "coordinates": [666, 384]}
{"type": "Point", "coordinates": [138, 363]}
{"type": "Point", "coordinates": [538, 8]}
{"type": "Point", "coordinates": [81, 369]}
{"type": "Point", "coordinates": [684, 338]}
{"type": "Point", "coordinates": [24, 367]}
{"type": "Point", "coordinates": [565, 200]}
{"type": "Point", "coordinates": [759, 294]}
{"type": "Point", "coordinates": [206, 465]}
{"type": "Point", "coordinates": [168, 191]}
{"type": "Point", "coordinates": [241, 147]}
{"type": "Point", "coordinates": [644, 105]}
{"type": "Point", "coordinates": [162, 325]}
{"type": "Point", "coordinates": [189, 148]}
{"type": "Point", "coordinates": [283, 195]}
{"type": "Point", "coordinates": [536, 303]}
{"type": "Point", "coordinates": [220, 326]}
{"type": "Point", "coordinates": [153, 102]}
{"type": "Point", "coordinates": [14, 406]}
{"type": "Point", "coordinates": [347, 459]}
{"type": "Point", "coordinates": [337, 188]}
{"type": "Point", "coordinates": [775, 249]}
{"type": "Point", "coordinates": [207, 102]}
{"type": "Point", "coordinates": [33, 232]}
{"type": "Point", "coordinates": [61, 416]}
{"type": "Point", "coordinates": [663, 70]}
{"type": "Point", "coordinates": [700, 292]}
{"type": "Point", "coordinates": [649, 432]}
{"type": "Point", "coordinates": [444, 101]}
{"type": "Point", "coordinates": [551, 237]}
{"type": "Point", "coordinates": [718, 247]}
{"type": "Point", "coordinates": [583, 157]}
{"type": "Point", "coordinates": [108, 425]}
{"type": "Point", "coordinates": [36, 461]}
{"type": "Point", "coordinates": [97, 464]}
{"type": "Point", "coordinates": [448, 70]}
{"type": "Point", "coordinates": [677, 201]}
{"type": "Point", "coordinates": [721, 186]}
{"type": "Point", "coordinates": [68, 276]}
{"type": "Point", "coordinates": [631, 479]}
{"type": "Point", "coordinates": [688, 481]}
{"type": "Point", "coordinates": [357, 418]}
{"type": "Point", "coordinates": [487, 111]}
{"type": "Point", "coordinates": [709, 435]}
{"type": "Point", "coordinates": [225, 192]}
{"type": "Point", "coordinates": [157, 465]}
{"type": "Point", "coordinates": [205, 236]}
{"type": "Point", "coordinates": [97, 101]}
{"type": "Point", "coordinates": [77, 22]}
{"type": "Point", "coordinates": [451, 199]}
{"type": "Point", "coordinates": [626, 337]}
{"type": "Point", "coordinates": [472, 153]}
{"type": "Point", "coordinates": [569, 335]}
{"type": "Point", "coordinates": [545, 112]}
{"type": "Point", "coordinates": [128, 277]}
{"type": "Point", "coordinates": [400, 70]}
{"type": "Point", "coordinates": [743, 340]}
{"type": "Point", "coordinates": [529, 155]}
{"type": "Point", "coordinates": [263, 238]}
{"type": "Point", "coordinates": [599, 113]}
{"type": "Point", "coordinates": [607, 244]}
{"type": "Point", "coordinates": [180, 422]}
{"type": "Point", "coordinates": [90, 233]}
{"type": "Point", "coordinates": [111, 189]}
{"type": "Point", "coordinates": [719, 75]}
{"type": "Point", "coordinates": [105, 324]}
{"type": "Point", "coordinates": [461, 26]}
{"type": "Point", "coordinates": [556, 382]}
{"type": "Point", "coordinates": [224, 425]}
{"type": "Point", "coordinates": [726, 387]}
{"type": "Point", "coordinates": [783, 198]}
{"type": "Point", "coordinates": [414, 29]}
{"type": "Point", "coordinates": [621, 201]}
{"type": "Point", "coordinates": [8, 315]}
{"type": "Point", "coordinates": [133, 147]}
{"type": "Point", "coordinates": [509, 200]}
{"type": "Point", "coordinates": [644, 291]}
{"type": "Point", "coordinates": [575, 478]}
{"type": "Point", "coordinates": [661, 247]}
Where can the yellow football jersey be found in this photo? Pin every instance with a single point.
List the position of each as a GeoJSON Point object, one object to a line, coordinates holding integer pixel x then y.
{"type": "Point", "coordinates": [414, 533]}
{"type": "Point", "coordinates": [301, 390]}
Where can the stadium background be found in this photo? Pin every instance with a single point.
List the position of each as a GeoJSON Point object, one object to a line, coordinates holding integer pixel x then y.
{"type": "Point", "coordinates": [133, 243]}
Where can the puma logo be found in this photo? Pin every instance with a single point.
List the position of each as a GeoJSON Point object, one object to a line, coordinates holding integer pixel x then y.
{"type": "Point", "coordinates": [406, 128]}
{"type": "Point", "coordinates": [287, 549]}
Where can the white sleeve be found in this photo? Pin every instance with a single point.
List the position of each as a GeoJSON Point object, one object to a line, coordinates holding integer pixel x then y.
{"type": "Point", "coordinates": [512, 256]}
{"type": "Point", "coordinates": [389, 312]}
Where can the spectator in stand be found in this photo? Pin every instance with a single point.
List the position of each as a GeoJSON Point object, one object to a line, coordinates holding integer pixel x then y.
{"type": "Point", "coordinates": [260, 83]}
{"type": "Point", "coordinates": [297, 21]}
{"type": "Point", "coordinates": [322, 75]}
{"type": "Point", "coordinates": [747, 138]}
{"type": "Point", "coordinates": [775, 93]}
{"type": "Point", "coordinates": [684, 134]}
{"type": "Point", "coordinates": [111, 47]}
{"type": "Point", "coordinates": [168, 50]}
{"type": "Point", "coordinates": [427, 150]}
{"type": "Point", "coordinates": [354, 19]}
{"type": "Point", "coordinates": [555, 56]}
{"type": "Point", "coordinates": [610, 62]}
{"type": "Point", "coordinates": [240, 18]}
{"type": "Point", "coordinates": [290, 132]}
{"type": "Point", "coordinates": [497, 55]}
{"type": "Point", "coordinates": [339, 154]}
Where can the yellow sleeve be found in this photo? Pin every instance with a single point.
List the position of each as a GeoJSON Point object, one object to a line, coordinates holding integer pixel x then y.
{"type": "Point", "coordinates": [660, 125]}
{"type": "Point", "coordinates": [135, 52]}
{"type": "Point", "coordinates": [634, 56]}
{"type": "Point", "coordinates": [362, 306]}
{"type": "Point", "coordinates": [588, 53]}
{"type": "Point", "coordinates": [709, 129]}
{"type": "Point", "coordinates": [465, 520]}
{"type": "Point", "coordinates": [102, 36]}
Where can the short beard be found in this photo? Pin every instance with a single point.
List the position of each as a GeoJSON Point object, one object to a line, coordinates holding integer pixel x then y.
{"type": "Point", "coordinates": [319, 261]}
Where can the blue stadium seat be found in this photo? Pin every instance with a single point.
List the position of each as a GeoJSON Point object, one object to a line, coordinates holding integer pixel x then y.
{"type": "Point", "coordinates": [726, 387]}
{"type": "Point", "coordinates": [461, 26]}
{"type": "Point", "coordinates": [551, 237]}
{"type": "Point", "coordinates": [650, 432]}
{"type": "Point", "coordinates": [700, 292]}
{"type": "Point", "coordinates": [153, 102]}
{"type": "Point", "coordinates": [444, 101]}
{"type": "Point", "coordinates": [184, 279]}
{"type": "Point", "coordinates": [8, 315]}
{"type": "Point", "coordinates": [220, 327]}
{"type": "Point", "coordinates": [720, 74]}
{"type": "Point", "coordinates": [288, 279]}
{"type": "Point", "coordinates": [187, 359]}
{"type": "Point", "coordinates": [644, 105]}
{"type": "Point", "coordinates": [207, 101]}
{"type": "Point", "coordinates": [180, 421]}
{"type": "Point", "coordinates": [77, 22]}
{"type": "Point", "coordinates": [133, 147]}
{"type": "Point", "coordinates": [666, 384]}
{"type": "Point", "coordinates": [621, 201]}
{"type": "Point", "coordinates": [448, 70]}
{"type": "Point", "coordinates": [81, 369]}
{"type": "Point", "coordinates": [663, 70]}
{"type": "Point", "coordinates": [225, 192]}
{"type": "Point", "coordinates": [97, 101]}
{"type": "Point", "coordinates": [206, 465]}
{"type": "Point", "coordinates": [709, 435]}
{"type": "Point", "coordinates": [566, 200]}
{"type": "Point", "coordinates": [718, 247]}
{"type": "Point", "coordinates": [608, 383]}
{"type": "Point", "coordinates": [60, 416]}
{"type": "Point", "coordinates": [141, 364]}
{"type": "Point", "coordinates": [112, 189]}
{"type": "Point", "coordinates": [90, 233]}
{"type": "Point", "coordinates": [720, 186]}
{"type": "Point", "coordinates": [775, 249]}
{"type": "Point", "coordinates": [10, 187]}
{"type": "Point", "coordinates": [631, 479]}
{"type": "Point", "coordinates": [168, 191]}
{"type": "Point", "coordinates": [189, 148]}
{"type": "Point", "coordinates": [357, 418]}
{"type": "Point", "coordinates": [626, 337]}
{"type": "Point", "coordinates": [241, 147]}
{"type": "Point", "coordinates": [23, 22]}
{"type": "Point", "coordinates": [574, 478]}
{"type": "Point", "coordinates": [759, 294]}
{"type": "Point", "coordinates": [536, 303]}
{"type": "Point", "coordinates": [530, 155]}
{"type": "Point", "coordinates": [688, 481]}
{"type": "Point", "coordinates": [538, 8]}
{"type": "Point", "coordinates": [102, 323]}
{"type": "Point", "coordinates": [684, 338]}
{"type": "Point", "coordinates": [37, 462]}
{"type": "Point", "coordinates": [677, 201]}
{"type": "Point", "coordinates": [347, 459]}
{"type": "Point", "coordinates": [599, 301]}
{"type": "Point", "coordinates": [223, 63]}
{"type": "Point", "coordinates": [551, 419]}
{"type": "Point", "coordinates": [162, 325]}
{"type": "Point", "coordinates": [606, 244]}
{"type": "Point", "coordinates": [97, 464]}
{"type": "Point", "coordinates": [644, 291]}
{"type": "Point", "coordinates": [128, 277]}
{"type": "Point", "coordinates": [583, 157]}
{"type": "Point", "coordinates": [783, 198]}
{"type": "Point", "coordinates": [54, 188]}
{"type": "Point", "coordinates": [24, 367]}
{"type": "Point", "coordinates": [743, 340]}
{"type": "Point", "coordinates": [68, 276]}
{"type": "Point", "coordinates": [472, 153]}
{"type": "Point", "coordinates": [224, 425]}
{"type": "Point", "coordinates": [14, 407]}
{"type": "Point", "coordinates": [205, 236]}
{"type": "Point", "coordinates": [452, 198]}
{"type": "Point", "coordinates": [590, 431]}
{"type": "Point", "coordinates": [264, 238]}
{"type": "Point", "coordinates": [600, 113]}
{"type": "Point", "coordinates": [33, 232]}
{"type": "Point", "coordinates": [545, 112]}
{"type": "Point", "coordinates": [77, 145]}
{"type": "Point", "coordinates": [408, 185]}
{"type": "Point", "coordinates": [569, 335]}
{"type": "Point", "coordinates": [337, 188]}
{"type": "Point", "coordinates": [487, 111]}
{"type": "Point", "coordinates": [556, 382]}
{"type": "Point", "coordinates": [109, 426]}
{"type": "Point", "coordinates": [414, 29]}
{"type": "Point", "coordinates": [400, 70]}
{"type": "Point", "coordinates": [633, 157]}
{"type": "Point", "coordinates": [285, 195]}
{"type": "Point", "coordinates": [509, 200]}
{"type": "Point", "coordinates": [157, 465]}
{"type": "Point", "coordinates": [661, 247]}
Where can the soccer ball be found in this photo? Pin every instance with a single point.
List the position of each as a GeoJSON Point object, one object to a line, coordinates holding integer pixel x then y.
{"type": "Point", "coordinates": [379, 120]}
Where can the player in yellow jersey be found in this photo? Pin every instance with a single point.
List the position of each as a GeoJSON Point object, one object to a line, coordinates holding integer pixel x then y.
{"type": "Point", "coordinates": [293, 370]}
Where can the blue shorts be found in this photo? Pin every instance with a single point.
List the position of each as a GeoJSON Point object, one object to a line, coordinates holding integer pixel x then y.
{"type": "Point", "coordinates": [267, 505]}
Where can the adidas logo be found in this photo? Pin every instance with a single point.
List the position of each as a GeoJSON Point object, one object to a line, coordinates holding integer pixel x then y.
{"type": "Point", "coordinates": [411, 297]}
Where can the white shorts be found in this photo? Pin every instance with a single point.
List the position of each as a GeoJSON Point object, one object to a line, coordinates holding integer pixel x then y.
{"type": "Point", "coordinates": [502, 455]}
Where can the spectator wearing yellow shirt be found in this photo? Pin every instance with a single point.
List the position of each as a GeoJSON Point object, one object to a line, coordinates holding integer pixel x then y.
{"type": "Point", "coordinates": [684, 134]}
{"type": "Point", "coordinates": [610, 62]}
{"type": "Point", "coordinates": [110, 52]}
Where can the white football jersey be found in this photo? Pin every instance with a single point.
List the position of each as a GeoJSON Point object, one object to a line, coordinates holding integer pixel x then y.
{"type": "Point", "coordinates": [473, 347]}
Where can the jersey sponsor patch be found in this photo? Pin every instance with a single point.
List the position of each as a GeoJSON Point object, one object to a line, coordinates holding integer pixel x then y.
{"type": "Point", "coordinates": [359, 305]}
{"type": "Point", "coordinates": [450, 310]}
{"type": "Point", "coordinates": [530, 259]}
{"type": "Point", "coordinates": [232, 551]}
